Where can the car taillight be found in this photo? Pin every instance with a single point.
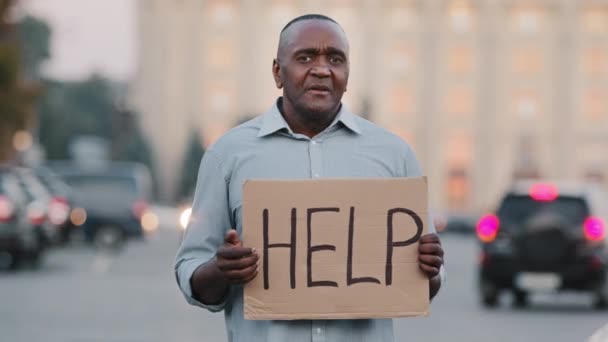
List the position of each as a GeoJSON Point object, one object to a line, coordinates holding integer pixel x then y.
{"type": "Point", "coordinates": [487, 228]}
{"type": "Point", "coordinates": [36, 214]}
{"type": "Point", "coordinates": [139, 208]}
{"type": "Point", "coordinates": [594, 229]}
{"type": "Point", "coordinates": [59, 211]}
{"type": "Point", "coordinates": [543, 192]}
{"type": "Point", "coordinates": [7, 209]}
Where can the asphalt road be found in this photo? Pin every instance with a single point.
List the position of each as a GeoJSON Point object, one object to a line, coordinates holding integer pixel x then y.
{"type": "Point", "coordinates": [81, 295]}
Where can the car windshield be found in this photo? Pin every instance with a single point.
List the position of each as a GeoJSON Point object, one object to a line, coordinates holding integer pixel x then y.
{"type": "Point", "coordinates": [100, 185]}
{"type": "Point", "coordinates": [518, 209]}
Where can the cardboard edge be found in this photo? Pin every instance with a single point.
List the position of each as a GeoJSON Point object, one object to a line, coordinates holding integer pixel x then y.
{"type": "Point", "coordinates": [333, 316]}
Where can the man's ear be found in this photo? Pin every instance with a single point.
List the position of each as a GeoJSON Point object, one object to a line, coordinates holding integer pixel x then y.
{"type": "Point", "coordinates": [276, 68]}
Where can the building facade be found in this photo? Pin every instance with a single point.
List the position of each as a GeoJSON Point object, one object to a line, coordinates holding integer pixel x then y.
{"type": "Point", "coordinates": [485, 90]}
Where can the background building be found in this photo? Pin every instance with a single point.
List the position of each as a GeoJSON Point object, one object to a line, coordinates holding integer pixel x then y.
{"type": "Point", "coordinates": [484, 90]}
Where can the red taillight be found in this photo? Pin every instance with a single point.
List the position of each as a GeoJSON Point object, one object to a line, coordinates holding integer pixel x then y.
{"type": "Point", "coordinates": [543, 192]}
{"type": "Point", "coordinates": [59, 211]}
{"type": "Point", "coordinates": [487, 228]}
{"type": "Point", "coordinates": [594, 229]}
{"type": "Point", "coordinates": [139, 208]}
{"type": "Point", "coordinates": [36, 214]}
{"type": "Point", "coordinates": [7, 210]}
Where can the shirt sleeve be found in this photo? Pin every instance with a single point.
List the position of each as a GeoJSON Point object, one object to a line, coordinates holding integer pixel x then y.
{"type": "Point", "coordinates": [413, 169]}
{"type": "Point", "coordinates": [209, 222]}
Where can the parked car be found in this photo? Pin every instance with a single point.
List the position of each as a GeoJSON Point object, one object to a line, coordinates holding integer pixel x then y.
{"type": "Point", "coordinates": [544, 237]}
{"type": "Point", "coordinates": [19, 237]}
{"type": "Point", "coordinates": [114, 195]}
{"type": "Point", "coordinates": [46, 214]}
{"type": "Point", "coordinates": [60, 205]}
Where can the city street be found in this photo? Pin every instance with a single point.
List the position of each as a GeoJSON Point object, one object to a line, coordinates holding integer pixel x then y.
{"type": "Point", "coordinates": [81, 295]}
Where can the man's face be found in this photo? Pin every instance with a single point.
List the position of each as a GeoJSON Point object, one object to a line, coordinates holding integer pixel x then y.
{"type": "Point", "coordinates": [312, 67]}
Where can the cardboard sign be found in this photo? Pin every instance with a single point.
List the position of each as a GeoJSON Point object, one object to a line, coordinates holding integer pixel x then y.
{"type": "Point", "coordinates": [336, 248]}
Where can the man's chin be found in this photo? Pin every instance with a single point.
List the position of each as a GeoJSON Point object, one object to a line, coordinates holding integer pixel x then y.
{"type": "Point", "coordinates": [321, 109]}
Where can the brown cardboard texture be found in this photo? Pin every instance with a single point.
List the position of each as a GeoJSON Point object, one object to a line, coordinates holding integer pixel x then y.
{"type": "Point", "coordinates": [336, 248]}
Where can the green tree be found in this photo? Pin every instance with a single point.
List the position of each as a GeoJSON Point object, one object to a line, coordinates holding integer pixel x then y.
{"type": "Point", "coordinates": [192, 160]}
{"type": "Point", "coordinates": [17, 95]}
{"type": "Point", "coordinates": [71, 109]}
{"type": "Point", "coordinates": [34, 35]}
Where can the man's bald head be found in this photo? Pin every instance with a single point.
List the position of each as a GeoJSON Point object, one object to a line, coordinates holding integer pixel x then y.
{"type": "Point", "coordinates": [284, 37]}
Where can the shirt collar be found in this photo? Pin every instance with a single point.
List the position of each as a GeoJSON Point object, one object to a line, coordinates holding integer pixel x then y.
{"type": "Point", "coordinates": [273, 121]}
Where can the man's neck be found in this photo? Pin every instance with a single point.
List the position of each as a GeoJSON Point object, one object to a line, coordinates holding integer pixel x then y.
{"type": "Point", "coordinates": [298, 122]}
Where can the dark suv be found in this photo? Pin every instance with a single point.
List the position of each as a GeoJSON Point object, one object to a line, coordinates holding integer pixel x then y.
{"type": "Point", "coordinates": [544, 237]}
{"type": "Point", "coordinates": [114, 195]}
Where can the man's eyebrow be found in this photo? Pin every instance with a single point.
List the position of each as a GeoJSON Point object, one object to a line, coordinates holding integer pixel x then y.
{"type": "Point", "coordinates": [317, 51]}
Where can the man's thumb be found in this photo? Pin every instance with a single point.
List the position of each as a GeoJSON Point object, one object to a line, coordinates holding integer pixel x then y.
{"type": "Point", "coordinates": [232, 237]}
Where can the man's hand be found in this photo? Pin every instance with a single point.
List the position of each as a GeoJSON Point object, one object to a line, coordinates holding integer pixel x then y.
{"type": "Point", "coordinates": [237, 264]}
{"type": "Point", "coordinates": [430, 255]}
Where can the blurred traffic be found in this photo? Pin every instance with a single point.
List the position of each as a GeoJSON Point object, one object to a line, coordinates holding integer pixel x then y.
{"type": "Point", "coordinates": [103, 205]}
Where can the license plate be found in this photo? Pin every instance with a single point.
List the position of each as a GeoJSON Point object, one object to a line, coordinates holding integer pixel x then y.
{"type": "Point", "coordinates": [538, 281]}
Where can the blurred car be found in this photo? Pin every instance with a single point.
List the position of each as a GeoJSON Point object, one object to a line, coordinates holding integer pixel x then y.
{"type": "Point", "coordinates": [40, 205]}
{"type": "Point", "coordinates": [544, 237]}
{"type": "Point", "coordinates": [19, 238]}
{"type": "Point", "coordinates": [113, 198]}
{"type": "Point", "coordinates": [60, 205]}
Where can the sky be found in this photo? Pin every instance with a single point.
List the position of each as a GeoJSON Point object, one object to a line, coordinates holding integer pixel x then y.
{"type": "Point", "coordinates": [89, 36]}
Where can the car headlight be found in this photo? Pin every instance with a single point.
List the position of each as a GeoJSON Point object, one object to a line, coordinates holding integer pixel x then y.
{"type": "Point", "coordinates": [184, 218]}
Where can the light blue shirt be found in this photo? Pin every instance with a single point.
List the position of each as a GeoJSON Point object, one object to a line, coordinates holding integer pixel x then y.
{"type": "Point", "coordinates": [266, 148]}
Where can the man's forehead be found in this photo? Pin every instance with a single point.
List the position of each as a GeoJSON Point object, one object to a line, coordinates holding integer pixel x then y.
{"type": "Point", "coordinates": [315, 32]}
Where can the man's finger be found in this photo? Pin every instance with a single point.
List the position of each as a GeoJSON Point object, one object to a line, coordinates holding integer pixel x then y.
{"type": "Point", "coordinates": [430, 248]}
{"type": "Point", "coordinates": [430, 238]}
{"type": "Point", "coordinates": [234, 252]}
{"type": "Point", "coordinates": [232, 238]}
{"type": "Point", "coordinates": [429, 270]}
{"type": "Point", "coordinates": [237, 264]}
{"type": "Point", "coordinates": [430, 260]}
{"type": "Point", "coordinates": [250, 278]}
{"type": "Point", "coordinates": [240, 275]}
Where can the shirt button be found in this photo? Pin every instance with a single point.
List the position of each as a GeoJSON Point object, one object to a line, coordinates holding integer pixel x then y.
{"type": "Point", "coordinates": [316, 175]}
{"type": "Point", "coordinates": [313, 142]}
{"type": "Point", "coordinates": [318, 330]}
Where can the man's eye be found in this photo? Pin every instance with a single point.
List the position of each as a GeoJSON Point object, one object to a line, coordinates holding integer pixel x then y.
{"type": "Point", "coordinates": [336, 60]}
{"type": "Point", "coordinates": [305, 59]}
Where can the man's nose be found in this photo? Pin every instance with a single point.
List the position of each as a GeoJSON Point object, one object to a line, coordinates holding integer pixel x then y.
{"type": "Point", "coordinates": [321, 69]}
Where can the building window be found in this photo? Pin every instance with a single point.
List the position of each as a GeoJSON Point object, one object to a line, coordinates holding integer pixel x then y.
{"type": "Point", "coordinates": [220, 55]}
{"type": "Point", "coordinates": [222, 13]}
{"type": "Point", "coordinates": [459, 101]}
{"type": "Point", "coordinates": [595, 61]}
{"type": "Point", "coordinates": [526, 104]}
{"type": "Point", "coordinates": [527, 19]}
{"type": "Point", "coordinates": [400, 58]}
{"type": "Point", "coordinates": [594, 19]}
{"type": "Point", "coordinates": [594, 103]}
{"type": "Point", "coordinates": [459, 157]}
{"type": "Point", "coordinates": [401, 101]}
{"type": "Point", "coordinates": [402, 18]}
{"type": "Point", "coordinates": [460, 60]}
{"type": "Point", "coordinates": [527, 60]}
{"type": "Point", "coordinates": [458, 188]}
{"type": "Point", "coordinates": [220, 99]}
{"type": "Point", "coordinates": [461, 16]}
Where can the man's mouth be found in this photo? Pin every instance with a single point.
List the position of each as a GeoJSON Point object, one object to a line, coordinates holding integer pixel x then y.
{"type": "Point", "coordinates": [319, 89]}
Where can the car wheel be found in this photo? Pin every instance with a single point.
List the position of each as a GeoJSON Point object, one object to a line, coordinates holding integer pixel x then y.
{"type": "Point", "coordinates": [8, 261]}
{"type": "Point", "coordinates": [489, 295]}
{"type": "Point", "coordinates": [108, 237]}
{"type": "Point", "coordinates": [520, 299]}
